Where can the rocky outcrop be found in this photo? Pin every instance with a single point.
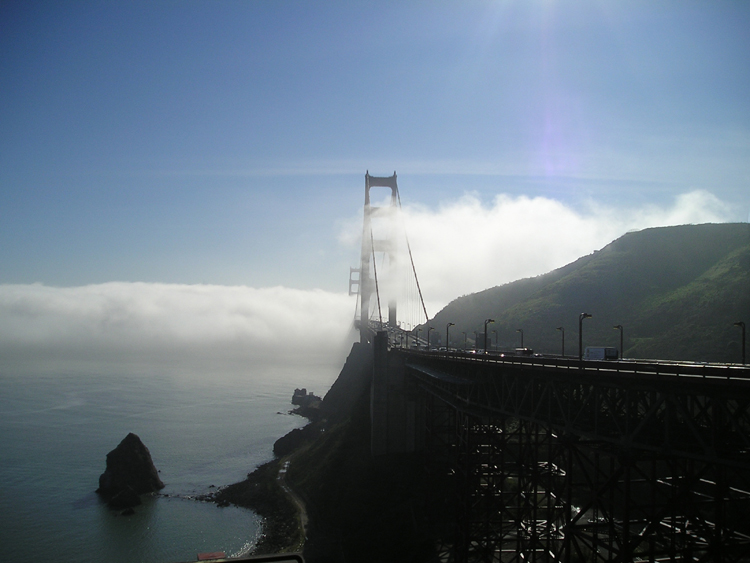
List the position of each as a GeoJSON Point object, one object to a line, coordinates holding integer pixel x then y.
{"type": "Point", "coordinates": [338, 404]}
{"type": "Point", "coordinates": [308, 404]}
{"type": "Point", "coordinates": [129, 472]}
{"type": "Point", "coordinates": [299, 396]}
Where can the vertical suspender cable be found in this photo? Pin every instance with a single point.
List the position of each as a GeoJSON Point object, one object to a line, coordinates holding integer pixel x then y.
{"type": "Point", "coordinates": [375, 270]}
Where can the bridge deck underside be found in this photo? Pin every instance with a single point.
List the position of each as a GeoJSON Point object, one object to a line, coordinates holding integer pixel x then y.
{"type": "Point", "coordinates": [556, 466]}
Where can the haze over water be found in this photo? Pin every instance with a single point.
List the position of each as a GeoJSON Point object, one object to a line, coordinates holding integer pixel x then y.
{"type": "Point", "coordinates": [207, 425]}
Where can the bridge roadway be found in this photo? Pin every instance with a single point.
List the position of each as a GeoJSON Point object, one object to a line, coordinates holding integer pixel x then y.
{"type": "Point", "coordinates": [694, 409]}
{"type": "Point", "coordinates": [557, 459]}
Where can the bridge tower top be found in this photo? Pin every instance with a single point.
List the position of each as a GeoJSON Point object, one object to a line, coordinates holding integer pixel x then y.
{"type": "Point", "coordinates": [383, 182]}
{"type": "Point", "coordinates": [381, 277]}
{"type": "Point", "coordinates": [378, 237]}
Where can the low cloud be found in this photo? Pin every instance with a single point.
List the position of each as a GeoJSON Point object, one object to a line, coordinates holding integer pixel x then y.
{"type": "Point", "coordinates": [466, 246]}
{"type": "Point", "coordinates": [462, 247]}
{"type": "Point", "coordinates": [149, 321]}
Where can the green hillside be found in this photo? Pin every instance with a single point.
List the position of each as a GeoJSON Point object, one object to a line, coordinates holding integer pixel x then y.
{"type": "Point", "coordinates": [676, 291]}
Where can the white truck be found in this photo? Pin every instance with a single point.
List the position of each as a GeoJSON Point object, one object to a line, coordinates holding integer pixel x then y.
{"type": "Point", "coordinates": [600, 353]}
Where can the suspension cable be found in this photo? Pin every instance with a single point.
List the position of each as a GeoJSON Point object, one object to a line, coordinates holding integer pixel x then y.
{"type": "Point", "coordinates": [411, 259]}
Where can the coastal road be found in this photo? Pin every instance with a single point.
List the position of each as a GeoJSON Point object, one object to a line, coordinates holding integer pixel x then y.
{"type": "Point", "coordinates": [299, 503]}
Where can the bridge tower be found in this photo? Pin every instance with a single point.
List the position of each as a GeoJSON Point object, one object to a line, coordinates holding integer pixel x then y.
{"type": "Point", "coordinates": [378, 239]}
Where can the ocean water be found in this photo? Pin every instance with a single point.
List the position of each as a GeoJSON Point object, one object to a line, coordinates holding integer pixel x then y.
{"type": "Point", "coordinates": [204, 426]}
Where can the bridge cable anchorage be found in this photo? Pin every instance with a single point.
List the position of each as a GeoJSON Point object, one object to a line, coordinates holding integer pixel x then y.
{"type": "Point", "coordinates": [375, 271]}
{"type": "Point", "coordinates": [411, 259]}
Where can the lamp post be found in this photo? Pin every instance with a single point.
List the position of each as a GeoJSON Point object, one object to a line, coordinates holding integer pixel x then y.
{"type": "Point", "coordinates": [742, 326]}
{"type": "Point", "coordinates": [448, 342]}
{"type": "Point", "coordinates": [580, 333]}
{"type": "Point", "coordinates": [429, 330]}
{"type": "Point", "coordinates": [495, 346]}
{"type": "Point", "coordinates": [619, 327]}
{"type": "Point", "coordinates": [419, 329]}
{"type": "Point", "coordinates": [562, 332]}
{"type": "Point", "coordinates": [464, 341]}
{"type": "Point", "coordinates": [486, 322]}
{"type": "Point", "coordinates": [521, 331]}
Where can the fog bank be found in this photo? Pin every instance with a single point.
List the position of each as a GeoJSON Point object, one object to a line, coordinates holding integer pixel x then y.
{"type": "Point", "coordinates": [131, 322]}
{"type": "Point", "coordinates": [465, 245]}
{"type": "Point", "coordinates": [461, 247]}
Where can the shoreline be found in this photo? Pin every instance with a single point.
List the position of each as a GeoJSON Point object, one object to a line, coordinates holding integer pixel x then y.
{"type": "Point", "coordinates": [294, 517]}
{"type": "Point", "coordinates": [262, 493]}
{"type": "Point", "coordinates": [265, 491]}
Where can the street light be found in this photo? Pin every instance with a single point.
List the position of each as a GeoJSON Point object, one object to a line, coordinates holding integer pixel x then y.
{"type": "Point", "coordinates": [562, 332]}
{"type": "Point", "coordinates": [742, 326]}
{"type": "Point", "coordinates": [580, 333]}
{"type": "Point", "coordinates": [495, 333]}
{"type": "Point", "coordinates": [429, 330]}
{"type": "Point", "coordinates": [619, 327]}
{"type": "Point", "coordinates": [448, 342]}
{"type": "Point", "coordinates": [521, 331]}
{"type": "Point", "coordinates": [486, 322]}
{"type": "Point", "coordinates": [419, 329]}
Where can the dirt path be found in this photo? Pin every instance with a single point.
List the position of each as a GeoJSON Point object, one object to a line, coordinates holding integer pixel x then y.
{"type": "Point", "coordinates": [299, 503]}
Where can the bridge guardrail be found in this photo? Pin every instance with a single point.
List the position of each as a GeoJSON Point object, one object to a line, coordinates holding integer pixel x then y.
{"type": "Point", "coordinates": [647, 368]}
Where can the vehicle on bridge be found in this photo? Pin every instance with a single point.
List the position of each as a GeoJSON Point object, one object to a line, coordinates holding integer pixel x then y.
{"type": "Point", "coordinates": [600, 353]}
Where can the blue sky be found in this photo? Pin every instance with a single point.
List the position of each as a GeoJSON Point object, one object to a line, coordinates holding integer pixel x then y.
{"type": "Point", "coordinates": [226, 142]}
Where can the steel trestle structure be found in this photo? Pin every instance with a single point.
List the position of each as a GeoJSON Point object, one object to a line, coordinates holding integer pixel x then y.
{"type": "Point", "coordinates": [560, 460]}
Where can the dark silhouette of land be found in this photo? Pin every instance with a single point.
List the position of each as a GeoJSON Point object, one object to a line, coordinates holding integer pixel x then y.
{"type": "Point", "coordinates": [677, 291]}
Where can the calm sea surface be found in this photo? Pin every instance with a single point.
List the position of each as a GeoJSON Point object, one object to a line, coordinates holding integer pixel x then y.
{"type": "Point", "coordinates": [204, 426]}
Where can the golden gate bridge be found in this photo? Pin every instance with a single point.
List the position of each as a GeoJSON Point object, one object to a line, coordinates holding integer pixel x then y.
{"type": "Point", "coordinates": [553, 458]}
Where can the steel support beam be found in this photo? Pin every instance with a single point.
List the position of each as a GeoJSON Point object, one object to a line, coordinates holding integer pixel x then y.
{"type": "Point", "coordinates": [565, 466]}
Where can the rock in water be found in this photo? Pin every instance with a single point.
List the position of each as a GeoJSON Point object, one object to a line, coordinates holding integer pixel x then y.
{"type": "Point", "coordinates": [130, 472]}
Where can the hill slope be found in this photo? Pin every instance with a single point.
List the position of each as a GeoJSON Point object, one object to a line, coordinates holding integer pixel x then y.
{"type": "Point", "coordinates": [676, 290]}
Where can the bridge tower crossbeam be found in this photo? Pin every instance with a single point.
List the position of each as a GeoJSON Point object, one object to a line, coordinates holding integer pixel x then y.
{"type": "Point", "coordinates": [381, 241]}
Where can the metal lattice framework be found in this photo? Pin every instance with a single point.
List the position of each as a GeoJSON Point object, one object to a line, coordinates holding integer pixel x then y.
{"type": "Point", "coordinates": [560, 460]}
